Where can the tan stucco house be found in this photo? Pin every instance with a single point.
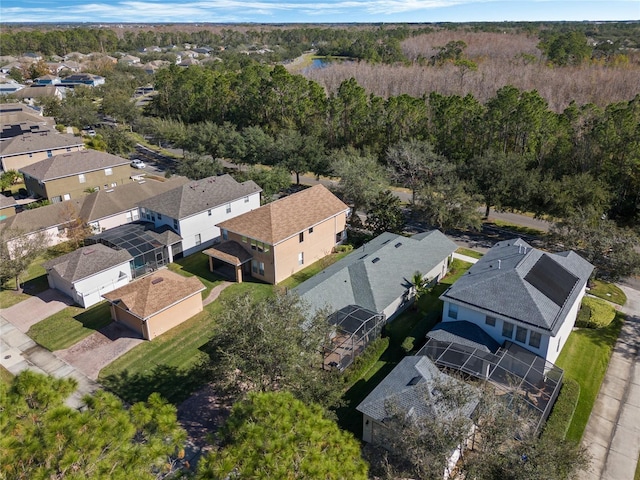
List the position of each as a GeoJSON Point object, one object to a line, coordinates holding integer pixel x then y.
{"type": "Point", "coordinates": [71, 175]}
{"type": "Point", "coordinates": [156, 303]}
{"type": "Point", "coordinates": [7, 207]}
{"type": "Point", "coordinates": [33, 146]}
{"type": "Point", "coordinates": [273, 242]}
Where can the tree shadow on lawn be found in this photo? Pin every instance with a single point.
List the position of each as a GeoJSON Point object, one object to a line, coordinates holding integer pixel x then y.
{"type": "Point", "coordinates": [173, 383]}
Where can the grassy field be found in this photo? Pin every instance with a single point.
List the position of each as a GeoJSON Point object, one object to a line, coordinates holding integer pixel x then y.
{"type": "Point", "coordinates": [469, 253]}
{"type": "Point", "coordinates": [69, 326]}
{"type": "Point", "coordinates": [397, 331]}
{"type": "Point", "coordinates": [173, 363]}
{"type": "Point", "coordinates": [608, 291]}
{"type": "Point", "coordinates": [585, 358]}
{"type": "Point", "coordinates": [313, 269]}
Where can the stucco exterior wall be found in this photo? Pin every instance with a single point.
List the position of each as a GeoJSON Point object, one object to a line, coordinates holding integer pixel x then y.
{"type": "Point", "coordinates": [119, 314]}
{"type": "Point", "coordinates": [15, 162]}
{"type": "Point", "coordinates": [116, 220]}
{"type": "Point", "coordinates": [7, 212]}
{"type": "Point", "coordinates": [557, 343]}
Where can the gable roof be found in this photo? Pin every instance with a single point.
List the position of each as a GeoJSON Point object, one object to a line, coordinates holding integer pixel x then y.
{"type": "Point", "coordinates": [288, 216]}
{"type": "Point", "coordinates": [156, 292]}
{"type": "Point", "coordinates": [516, 281]}
{"type": "Point", "coordinates": [38, 142]}
{"type": "Point", "coordinates": [376, 274]}
{"type": "Point", "coordinates": [6, 202]}
{"type": "Point", "coordinates": [87, 261]}
{"type": "Point", "coordinates": [198, 196]}
{"type": "Point", "coordinates": [73, 163]}
{"type": "Point", "coordinates": [410, 388]}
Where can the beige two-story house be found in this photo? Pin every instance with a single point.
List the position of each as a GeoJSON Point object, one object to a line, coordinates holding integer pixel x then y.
{"type": "Point", "coordinates": [273, 242]}
{"type": "Point", "coordinates": [32, 145]}
{"type": "Point", "coordinates": [72, 175]}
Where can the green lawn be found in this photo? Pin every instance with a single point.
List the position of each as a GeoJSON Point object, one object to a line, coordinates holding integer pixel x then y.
{"type": "Point", "coordinates": [585, 358]}
{"type": "Point", "coordinates": [469, 253]}
{"type": "Point", "coordinates": [198, 265]}
{"type": "Point", "coordinates": [313, 269]}
{"type": "Point", "coordinates": [69, 326]}
{"type": "Point", "coordinates": [608, 291]}
{"type": "Point", "coordinates": [173, 363]}
{"type": "Point", "coordinates": [397, 331]}
{"type": "Point", "coordinates": [517, 229]}
{"type": "Point", "coordinates": [5, 376]}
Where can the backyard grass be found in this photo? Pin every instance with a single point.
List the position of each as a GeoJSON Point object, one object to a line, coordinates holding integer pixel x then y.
{"type": "Point", "coordinates": [518, 229]}
{"type": "Point", "coordinates": [69, 326]}
{"type": "Point", "coordinates": [173, 364]}
{"type": "Point", "coordinates": [469, 253]}
{"type": "Point", "coordinates": [5, 376]}
{"type": "Point", "coordinates": [397, 331]}
{"type": "Point", "coordinates": [585, 358]}
{"type": "Point", "coordinates": [608, 291]}
{"type": "Point", "coordinates": [198, 265]}
{"type": "Point", "coordinates": [313, 269]}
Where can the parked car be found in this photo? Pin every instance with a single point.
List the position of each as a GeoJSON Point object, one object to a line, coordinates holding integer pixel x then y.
{"type": "Point", "coordinates": [137, 163]}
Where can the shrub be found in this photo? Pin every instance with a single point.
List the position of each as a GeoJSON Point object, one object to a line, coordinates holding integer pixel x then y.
{"type": "Point", "coordinates": [560, 418]}
{"type": "Point", "coordinates": [365, 361]}
{"type": "Point", "coordinates": [344, 248]}
{"type": "Point", "coordinates": [408, 344]}
{"type": "Point", "coordinates": [600, 313]}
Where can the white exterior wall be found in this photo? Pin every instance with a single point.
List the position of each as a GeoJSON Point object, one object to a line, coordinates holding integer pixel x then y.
{"type": "Point", "coordinates": [557, 343]}
{"type": "Point", "coordinates": [205, 224]}
{"type": "Point", "coordinates": [116, 220]}
{"type": "Point", "coordinates": [88, 291]}
{"type": "Point", "coordinates": [479, 318]}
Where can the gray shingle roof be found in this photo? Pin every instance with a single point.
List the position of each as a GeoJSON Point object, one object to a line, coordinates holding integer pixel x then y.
{"type": "Point", "coordinates": [464, 333]}
{"type": "Point", "coordinates": [7, 202]}
{"type": "Point", "coordinates": [200, 195]}
{"type": "Point", "coordinates": [73, 163]}
{"type": "Point", "coordinates": [410, 388]}
{"type": "Point", "coordinates": [360, 279]}
{"type": "Point", "coordinates": [519, 282]}
{"type": "Point", "coordinates": [38, 142]}
{"type": "Point", "coordinates": [87, 261]}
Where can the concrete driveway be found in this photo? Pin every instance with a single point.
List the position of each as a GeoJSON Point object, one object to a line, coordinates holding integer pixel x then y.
{"type": "Point", "coordinates": [99, 349]}
{"type": "Point", "coordinates": [35, 309]}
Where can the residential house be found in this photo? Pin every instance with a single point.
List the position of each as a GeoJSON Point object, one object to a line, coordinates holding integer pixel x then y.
{"type": "Point", "coordinates": [521, 294]}
{"type": "Point", "coordinates": [156, 303]}
{"type": "Point", "coordinates": [31, 94]}
{"type": "Point", "coordinates": [89, 272]}
{"type": "Point", "coordinates": [48, 80]}
{"type": "Point", "coordinates": [415, 389]}
{"type": "Point", "coordinates": [26, 149]}
{"type": "Point", "coordinates": [129, 60]}
{"type": "Point", "coordinates": [189, 62]}
{"type": "Point", "coordinates": [70, 66]}
{"type": "Point", "coordinates": [83, 79]}
{"type": "Point", "coordinates": [19, 112]}
{"type": "Point", "coordinates": [78, 56]}
{"type": "Point", "coordinates": [10, 87]}
{"type": "Point", "coordinates": [70, 175]}
{"type": "Point", "coordinates": [282, 237]}
{"type": "Point", "coordinates": [7, 207]}
{"type": "Point", "coordinates": [6, 68]}
{"type": "Point", "coordinates": [193, 210]}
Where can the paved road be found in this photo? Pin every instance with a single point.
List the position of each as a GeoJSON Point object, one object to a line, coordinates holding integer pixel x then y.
{"type": "Point", "coordinates": [612, 435]}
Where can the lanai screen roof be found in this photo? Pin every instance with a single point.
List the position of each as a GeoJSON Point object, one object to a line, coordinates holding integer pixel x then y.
{"type": "Point", "coordinates": [137, 238]}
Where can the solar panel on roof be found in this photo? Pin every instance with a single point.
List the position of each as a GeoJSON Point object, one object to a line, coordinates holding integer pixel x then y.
{"type": "Point", "coordinates": [551, 279]}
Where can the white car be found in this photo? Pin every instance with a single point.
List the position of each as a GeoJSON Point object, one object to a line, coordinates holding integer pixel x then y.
{"type": "Point", "coordinates": [137, 163]}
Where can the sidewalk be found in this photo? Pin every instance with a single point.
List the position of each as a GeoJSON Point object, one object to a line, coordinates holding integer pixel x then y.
{"type": "Point", "coordinates": [612, 435]}
{"type": "Point", "coordinates": [18, 352]}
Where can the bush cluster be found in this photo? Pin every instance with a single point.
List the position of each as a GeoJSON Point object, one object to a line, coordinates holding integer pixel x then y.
{"type": "Point", "coordinates": [365, 361]}
{"type": "Point", "coordinates": [595, 313]}
{"type": "Point", "coordinates": [560, 418]}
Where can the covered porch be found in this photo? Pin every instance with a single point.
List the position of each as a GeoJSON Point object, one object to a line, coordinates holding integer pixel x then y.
{"type": "Point", "coordinates": [229, 260]}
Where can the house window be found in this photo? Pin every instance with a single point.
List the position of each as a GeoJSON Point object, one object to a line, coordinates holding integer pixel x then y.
{"type": "Point", "coordinates": [81, 178]}
{"type": "Point", "coordinates": [66, 196]}
{"type": "Point", "coordinates": [301, 237]}
{"type": "Point", "coordinates": [49, 153]}
{"type": "Point", "coordinates": [266, 247]}
{"type": "Point", "coordinates": [209, 212]}
{"type": "Point", "coordinates": [339, 237]}
{"type": "Point", "coordinates": [135, 215]}
{"type": "Point", "coordinates": [228, 208]}
{"type": "Point", "coordinates": [491, 321]}
{"type": "Point", "coordinates": [253, 244]}
{"type": "Point", "coordinates": [254, 266]}
{"type": "Point", "coordinates": [244, 239]}
{"type": "Point", "coordinates": [159, 216]}
{"type": "Point", "coordinates": [260, 246]}
{"type": "Point", "coordinates": [175, 224]}
{"type": "Point", "coordinates": [198, 240]}
{"type": "Point", "coordinates": [225, 234]}
{"type": "Point", "coordinates": [114, 185]}
{"type": "Point", "coordinates": [246, 199]}
{"type": "Point", "coordinates": [311, 230]}
{"type": "Point", "coordinates": [507, 329]}
{"type": "Point", "coordinates": [108, 171]}
{"type": "Point", "coordinates": [534, 339]}
{"type": "Point", "coordinates": [68, 149]}
{"type": "Point", "coordinates": [57, 199]}
{"type": "Point", "coordinates": [301, 258]}
{"type": "Point", "coordinates": [521, 334]}
{"type": "Point", "coordinates": [453, 311]}
{"type": "Point", "coordinates": [261, 265]}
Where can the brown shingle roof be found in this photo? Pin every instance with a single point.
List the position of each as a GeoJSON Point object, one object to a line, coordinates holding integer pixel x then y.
{"type": "Point", "coordinates": [67, 164]}
{"type": "Point", "coordinates": [7, 202]}
{"type": "Point", "coordinates": [229, 252]}
{"type": "Point", "coordinates": [287, 216]}
{"type": "Point", "coordinates": [87, 261]}
{"type": "Point", "coordinates": [38, 142]}
{"type": "Point", "coordinates": [150, 295]}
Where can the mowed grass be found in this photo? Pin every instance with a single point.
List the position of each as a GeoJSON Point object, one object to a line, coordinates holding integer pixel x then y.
{"type": "Point", "coordinates": [397, 331]}
{"type": "Point", "coordinates": [608, 291]}
{"type": "Point", "coordinates": [313, 269]}
{"type": "Point", "coordinates": [198, 265]}
{"type": "Point", "coordinates": [173, 364]}
{"type": "Point", "coordinates": [69, 326]}
{"type": "Point", "coordinates": [585, 358]}
{"type": "Point", "coordinates": [469, 253]}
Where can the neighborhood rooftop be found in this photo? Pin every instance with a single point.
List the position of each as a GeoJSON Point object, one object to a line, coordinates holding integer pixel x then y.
{"type": "Point", "coordinates": [199, 195]}
{"type": "Point", "coordinates": [37, 142]}
{"type": "Point", "coordinates": [279, 220]}
{"type": "Point", "coordinates": [87, 261]}
{"type": "Point", "coordinates": [72, 163]}
{"type": "Point", "coordinates": [542, 285]}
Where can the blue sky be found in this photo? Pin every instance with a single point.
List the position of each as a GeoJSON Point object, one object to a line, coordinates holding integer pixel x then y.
{"type": "Point", "coordinates": [321, 11]}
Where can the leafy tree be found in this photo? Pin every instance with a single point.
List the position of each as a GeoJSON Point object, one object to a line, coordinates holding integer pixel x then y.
{"type": "Point", "coordinates": [38, 69]}
{"type": "Point", "coordinates": [258, 146]}
{"type": "Point", "coordinates": [299, 153]}
{"type": "Point", "coordinates": [8, 178]}
{"type": "Point", "coordinates": [43, 438]}
{"type": "Point", "coordinates": [274, 435]}
{"type": "Point", "coordinates": [448, 205]}
{"type": "Point", "coordinates": [569, 48]}
{"type": "Point", "coordinates": [451, 52]}
{"type": "Point", "coordinates": [197, 167]}
{"type": "Point", "coordinates": [385, 214]}
{"type": "Point", "coordinates": [118, 141]}
{"type": "Point", "coordinates": [273, 344]}
{"type": "Point", "coordinates": [78, 109]}
{"type": "Point", "coordinates": [76, 229]}
{"type": "Point", "coordinates": [272, 180]}
{"type": "Point", "coordinates": [17, 251]}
